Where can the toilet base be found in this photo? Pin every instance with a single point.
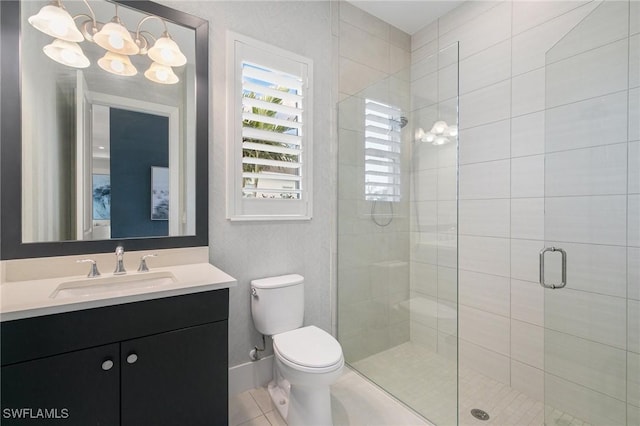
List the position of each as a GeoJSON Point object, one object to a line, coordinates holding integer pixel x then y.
{"type": "Point", "coordinates": [309, 406]}
{"type": "Point", "coordinates": [279, 393]}
{"type": "Point", "coordinates": [300, 405]}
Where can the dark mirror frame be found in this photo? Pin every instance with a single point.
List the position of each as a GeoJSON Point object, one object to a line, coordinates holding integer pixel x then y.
{"type": "Point", "coordinates": [11, 245]}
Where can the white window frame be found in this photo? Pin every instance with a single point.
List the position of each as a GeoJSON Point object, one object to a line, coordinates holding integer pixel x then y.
{"type": "Point", "coordinates": [239, 49]}
{"type": "Point", "coordinates": [382, 151]}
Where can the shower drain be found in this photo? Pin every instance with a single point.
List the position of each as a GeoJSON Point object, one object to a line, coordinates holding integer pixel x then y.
{"type": "Point", "coordinates": [480, 414]}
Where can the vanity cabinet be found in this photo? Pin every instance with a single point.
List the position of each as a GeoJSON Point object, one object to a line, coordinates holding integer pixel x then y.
{"type": "Point", "coordinates": [176, 375]}
{"type": "Point", "coordinates": [156, 362]}
{"type": "Point", "coordinates": [74, 385]}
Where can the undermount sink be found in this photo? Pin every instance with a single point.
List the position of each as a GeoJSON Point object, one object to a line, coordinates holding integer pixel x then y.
{"type": "Point", "coordinates": [116, 284]}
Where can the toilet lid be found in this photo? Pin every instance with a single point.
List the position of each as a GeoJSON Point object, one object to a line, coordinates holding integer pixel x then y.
{"type": "Point", "coordinates": [308, 347]}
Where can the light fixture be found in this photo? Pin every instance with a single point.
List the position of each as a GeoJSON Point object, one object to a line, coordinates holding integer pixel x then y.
{"type": "Point", "coordinates": [439, 134]}
{"type": "Point", "coordinates": [118, 64]}
{"type": "Point", "coordinates": [161, 74]}
{"type": "Point", "coordinates": [440, 140]}
{"type": "Point", "coordinates": [165, 51]}
{"type": "Point", "coordinates": [53, 20]}
{"type": "Point", "coordinates": [67, 53]}
{"type": "Point", "coordinates": [113, 36]}
{"type": "Point", "coordinates": [439, 127]}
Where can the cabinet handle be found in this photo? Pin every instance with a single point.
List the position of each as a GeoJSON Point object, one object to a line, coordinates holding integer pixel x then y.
{"type": "Point", "coordinates": [132, 358]}
{"type": "Point", "coordinates": [107, 365]}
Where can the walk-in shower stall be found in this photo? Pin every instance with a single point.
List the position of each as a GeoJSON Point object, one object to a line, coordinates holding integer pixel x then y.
{"type": "Point", "coordinates": [489, 246]}
{"type": "Point", "coordinates": [397, 242]}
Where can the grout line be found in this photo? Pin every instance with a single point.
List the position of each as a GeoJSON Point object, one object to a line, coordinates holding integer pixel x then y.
{"type": "Point", "coordinates": [464, 23]}
{"type": "Point", "coordinates": [537, 111]}
{"type": "Point", "coordinates": [255, 401]}
{"type": "Point", "coordinates": [626, 260]}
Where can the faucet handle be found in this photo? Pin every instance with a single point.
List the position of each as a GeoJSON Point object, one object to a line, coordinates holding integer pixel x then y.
{"type": "Point", "coordinates": [143, 262]}
{"type": "Point", "coordinates": [93, 272]}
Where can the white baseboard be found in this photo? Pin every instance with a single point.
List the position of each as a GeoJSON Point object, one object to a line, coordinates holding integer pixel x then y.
{"type": "Point", "coordinates": [250, 375]}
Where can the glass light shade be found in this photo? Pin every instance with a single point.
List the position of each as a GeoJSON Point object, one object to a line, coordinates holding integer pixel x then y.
{"type": "Point", "coordinates": [56, 22]}
{"type": "Point", "coordinates": [439, 127]}
{"type": "Point", "coordinates": [440, 140]}
{"type": "Point", "coordinates": [428, 137]}
{"type": "Point", "coordinates": [117, 64]}
{"type": "Point", "coordinates": [161, 74]}
{"type": "Point", "coordinates": [165, 51]}
{"type": "Point", "coordinates": [115, 38]}
{"type": "Point", "coordinates": [67, 53]}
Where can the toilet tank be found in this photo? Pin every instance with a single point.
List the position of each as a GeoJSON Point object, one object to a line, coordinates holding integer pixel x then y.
{"type": "Point", "coordinates": [277, 303]}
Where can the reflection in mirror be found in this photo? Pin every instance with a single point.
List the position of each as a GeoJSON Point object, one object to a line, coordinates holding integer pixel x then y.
{"type": "Point", "coordinates": [47, 176]}
{"type": "Point", "coordinates": [108, 96]}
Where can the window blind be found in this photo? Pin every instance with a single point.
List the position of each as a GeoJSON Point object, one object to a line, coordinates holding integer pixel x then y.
{"type": "Point", "coordinates": [382, 145]}
{"type": "Point", "coordinates": [272, 130]}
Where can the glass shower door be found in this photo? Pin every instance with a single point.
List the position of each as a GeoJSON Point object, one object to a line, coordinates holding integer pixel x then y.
{"type": "Point", "coordinates": [397, 235]}
{"type": "Point", "coordinates": [590, 256]}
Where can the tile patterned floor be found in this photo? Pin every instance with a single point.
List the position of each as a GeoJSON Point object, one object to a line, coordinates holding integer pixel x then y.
{"type": "Point", "coordinates": [253, 408]}
{"type": "Point", "coordinates": [420, 378]}
{"type": "Point", "coordinates": [355, 402]}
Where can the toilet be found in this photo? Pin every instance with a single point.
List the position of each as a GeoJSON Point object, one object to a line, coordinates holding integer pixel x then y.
{"type": "Point", "coordinates": [307, 359]}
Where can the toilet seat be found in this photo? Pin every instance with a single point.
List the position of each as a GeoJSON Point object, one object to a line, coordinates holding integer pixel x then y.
{"type": "Point", "coordinates": [309, 349]}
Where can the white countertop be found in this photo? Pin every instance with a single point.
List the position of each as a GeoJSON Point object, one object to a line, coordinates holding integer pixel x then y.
{"type": "Point", "coordinates": [31, 298]}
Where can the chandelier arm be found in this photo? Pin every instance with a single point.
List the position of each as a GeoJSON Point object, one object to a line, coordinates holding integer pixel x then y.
{"type": "Point", "coordinates": [142, 40]}
{"type": "Point", "coordinates": [146, 18]}
{"type": "Point", "coordinates": [82, 15]}
{"type": "Point", "coordinates": [143, 32]}
{"type": "Point", "coordinates": [93, 15]}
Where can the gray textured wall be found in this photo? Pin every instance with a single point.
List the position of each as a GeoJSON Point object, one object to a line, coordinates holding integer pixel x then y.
{"type": "Point", "coordinates": [249, 250]}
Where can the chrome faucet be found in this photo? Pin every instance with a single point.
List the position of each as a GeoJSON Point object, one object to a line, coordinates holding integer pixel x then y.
{"type": "Point", "coordinates": [119, 261]}
{"type": "Point", "coordinates": [93, 272]}
{"type": "Point", "coordinates": [143, 262]}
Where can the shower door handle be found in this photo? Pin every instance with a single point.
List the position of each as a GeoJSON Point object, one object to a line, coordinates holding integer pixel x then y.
{"type": "Point", "coordinates": [564, 267]}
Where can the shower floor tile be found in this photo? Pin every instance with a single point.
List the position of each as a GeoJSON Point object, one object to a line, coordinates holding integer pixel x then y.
{"type": "Point", "coordinates": [426, 382]}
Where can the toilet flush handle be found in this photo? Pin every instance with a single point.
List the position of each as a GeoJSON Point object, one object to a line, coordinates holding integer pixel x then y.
{"type": "Point", "coordinates": [254, 293]}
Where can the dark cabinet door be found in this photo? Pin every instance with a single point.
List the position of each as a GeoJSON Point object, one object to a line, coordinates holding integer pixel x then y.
{"type": "Point", "coordinates": [176, 378]}
{"type": "Point", "coordinates": [77, 388]}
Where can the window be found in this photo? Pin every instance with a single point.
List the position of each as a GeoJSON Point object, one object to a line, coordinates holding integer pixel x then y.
{"type": "Point", "coordinates": [382, 151]}
{"type": "Point", "coordinates": [269, 132]}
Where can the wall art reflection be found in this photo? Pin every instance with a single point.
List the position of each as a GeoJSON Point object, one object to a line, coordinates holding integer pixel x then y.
{"type": "Point", "coordinates": [101, 197]}
{"type": "Point", "coordinates": [159, 193]}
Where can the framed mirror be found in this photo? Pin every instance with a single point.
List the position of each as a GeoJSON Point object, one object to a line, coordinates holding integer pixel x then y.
{"type": "Point", "coordinates": [104, 128]}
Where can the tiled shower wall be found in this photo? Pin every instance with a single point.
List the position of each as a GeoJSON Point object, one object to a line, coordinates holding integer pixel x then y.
{"type": "Point", "coordinates": [517, 102]}
{"type": "Point", "coordinates": [373, 268]}
{"type": "Point", "coordinates": [433, 212]}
